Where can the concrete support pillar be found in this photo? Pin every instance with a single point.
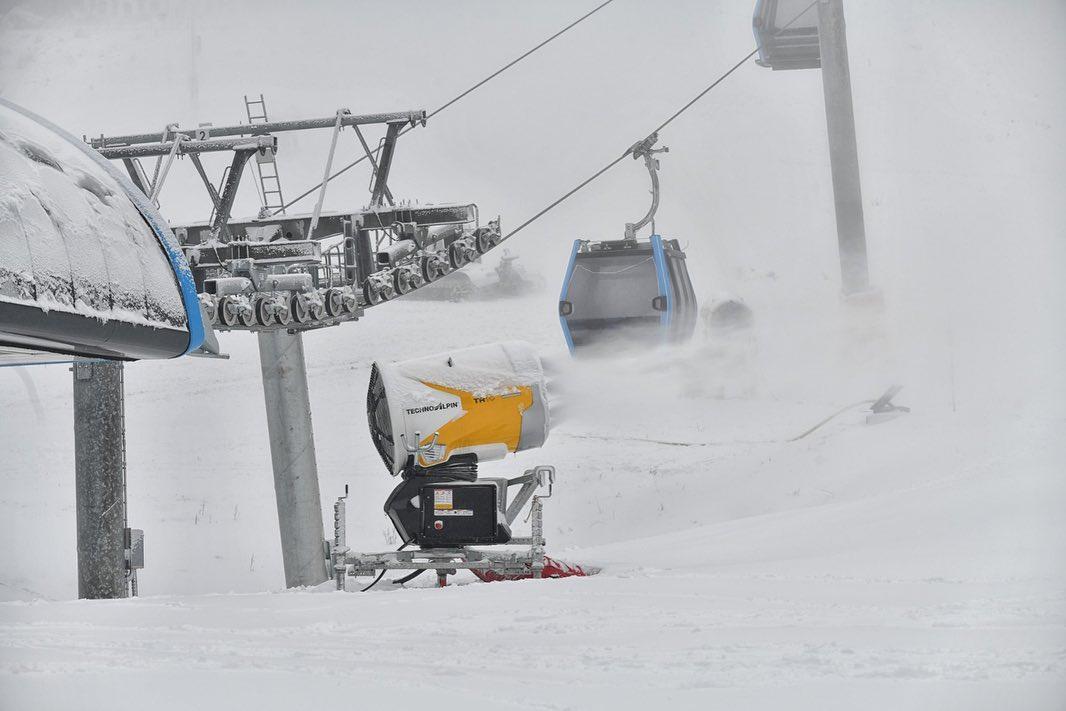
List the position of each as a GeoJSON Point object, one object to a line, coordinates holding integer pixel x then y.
{"type": "Point", "coordinates": [843, 151]}
{"type": "Point", "coordinates": [100, 479]}
{"type": "Point", "coordinates": [292, 454]}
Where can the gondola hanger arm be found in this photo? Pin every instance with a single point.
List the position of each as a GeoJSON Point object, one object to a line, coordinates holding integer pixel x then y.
{"type": "Point", "coordinates": [646, 149]}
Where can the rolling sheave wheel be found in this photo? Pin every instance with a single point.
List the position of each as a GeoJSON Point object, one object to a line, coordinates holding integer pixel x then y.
{"type": "Point", "coordinates": [229, 312]}
{"type": "Point", "coordinates": [299, 308]}
{"type": "Point", "coordinates": [407, 280]}
{"type": "Point", "coordinates": [334, 302]}
{"type": "Point", "coordinates": [485, 239]}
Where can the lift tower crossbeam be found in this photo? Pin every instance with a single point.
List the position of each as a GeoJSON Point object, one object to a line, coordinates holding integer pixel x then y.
{"type": "Point", "coordinates": [268, 127]}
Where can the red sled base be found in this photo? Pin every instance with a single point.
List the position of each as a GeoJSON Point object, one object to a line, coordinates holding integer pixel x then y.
{"type": "Point", "coordinates": [552, 569]}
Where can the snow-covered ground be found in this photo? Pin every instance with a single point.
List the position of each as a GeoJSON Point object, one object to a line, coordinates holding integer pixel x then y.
{"type": "Point", "coordinates": [917, 563]}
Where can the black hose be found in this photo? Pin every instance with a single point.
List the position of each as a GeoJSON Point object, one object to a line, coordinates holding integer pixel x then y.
{"type": "Point", "coordinates": [382, 573]}
{"type": "Point", "coordinates": [408, 578]}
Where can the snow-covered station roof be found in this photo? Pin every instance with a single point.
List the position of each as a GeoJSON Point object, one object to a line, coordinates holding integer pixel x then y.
{"type": "Point", "coordinates": [87, 265]}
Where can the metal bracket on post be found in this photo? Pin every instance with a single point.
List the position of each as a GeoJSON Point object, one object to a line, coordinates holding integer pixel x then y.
{"type": "Point", "coordinates": [134, 538]}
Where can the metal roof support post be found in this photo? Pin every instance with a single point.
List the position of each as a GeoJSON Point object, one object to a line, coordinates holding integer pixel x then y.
{"type": "Point", "coordinates": [292, 456]}
{"type": "Point", "coordinates": [843, 151]}
{"type": "Point", "coordinates": [100, 479]}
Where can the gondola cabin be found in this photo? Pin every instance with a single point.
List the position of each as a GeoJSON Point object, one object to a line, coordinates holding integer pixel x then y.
{"type": "Point", "coordinates": [626, 294]}
{"type": "Point", "coordinates": [786, 33]}
{"type": "Point", "coordinates": [88, 268]}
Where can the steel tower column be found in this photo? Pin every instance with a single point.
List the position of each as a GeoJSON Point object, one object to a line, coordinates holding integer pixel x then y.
{"type": "Point", "coordinates": [100, 479]}
{"type": "Point", "coordinates": [843, 150]}
{"type": "Point", "coordinates": [292, 455]}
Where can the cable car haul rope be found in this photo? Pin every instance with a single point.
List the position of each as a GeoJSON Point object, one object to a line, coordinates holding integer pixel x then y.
{"type": "Point", "coordinates": [296, 274]}
{"type": "Point", "coordinates": [490, 240]}
{"type": "Point", "coordinates": [602, 170]}
{"type": "Point", "coordinates": [445, 105]}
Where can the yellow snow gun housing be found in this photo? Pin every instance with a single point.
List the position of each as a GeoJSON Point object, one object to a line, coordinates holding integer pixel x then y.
{"type": "Point", "coordinates": [432, 421]}
{"type": "Point", "coordinates": [442, 414]}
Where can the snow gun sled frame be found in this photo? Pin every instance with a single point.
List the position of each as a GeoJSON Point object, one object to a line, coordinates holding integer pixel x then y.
{"type": "Point", "coordinates": [523, 559]}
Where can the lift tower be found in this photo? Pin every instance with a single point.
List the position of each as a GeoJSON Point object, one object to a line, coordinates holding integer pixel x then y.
{"type": "Point", "coordinates": [793, 34]}
{"type": "Point", "coordinates": [280, 274]}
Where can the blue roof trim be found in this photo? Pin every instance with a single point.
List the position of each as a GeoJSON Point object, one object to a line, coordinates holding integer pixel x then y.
{"type": "Point", "coordinates": [159, 226]}
{"type": "Point", "coordinates": [664, 282]}
{"type": "Point", "coordinates": [562, 294]}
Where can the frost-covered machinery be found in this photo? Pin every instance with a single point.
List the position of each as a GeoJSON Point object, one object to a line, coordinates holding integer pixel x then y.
{"type": "Point", "coordinates": [280, 274]}
{"type": "Point", "coordinates": [296, 272]}
{"type": "Point", "coordinates": [630, 292]}
{"type": "Point", "coordinates": [433, 420]}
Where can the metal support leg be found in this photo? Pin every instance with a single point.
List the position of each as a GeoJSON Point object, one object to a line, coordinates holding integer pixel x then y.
{"type": "Point", "coordinates": [100, 479]}
{"type": "Point", "coordinates": [364, 255]}
{"type": "Point", "coordinates": [381, 174]}
{"type": "Point", "coordinates": [843, 152]}
{"type": "Point", "coordinates": [137, 175]}
{"type": "Point", "coordinates": [220, 225]}
{"type": "Point", "coordinates": [341, 113]}
{"type": "Point", "coordinates": [292, 454]}
{"type": "Point", "coordinates": [373, 162]}
{"type": "Point", "coordinates": [216, 200]}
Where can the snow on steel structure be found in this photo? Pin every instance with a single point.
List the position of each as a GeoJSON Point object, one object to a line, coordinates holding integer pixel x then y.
{"type": "Point", "coordinates": [282, 274]}
{"type": "Point", "coordinates": [793, 34]}
{"type": "Point", "coordinates": [299, 272]}
{"type": "Point", "coordinates": [88, 267]}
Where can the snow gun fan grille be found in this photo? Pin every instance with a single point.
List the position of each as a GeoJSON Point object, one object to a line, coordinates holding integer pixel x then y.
{"type": "Point", "coordinates": [377, 415]}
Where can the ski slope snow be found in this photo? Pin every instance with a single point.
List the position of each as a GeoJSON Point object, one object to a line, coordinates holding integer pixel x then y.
{"type": "Point", "coordinates": [913, 564]}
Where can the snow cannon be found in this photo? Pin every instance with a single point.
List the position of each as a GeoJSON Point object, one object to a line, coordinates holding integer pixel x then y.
{"type": "Point", "coordinates": [433, 420]}
{"type": "Point", "coordinates": [458, 408]}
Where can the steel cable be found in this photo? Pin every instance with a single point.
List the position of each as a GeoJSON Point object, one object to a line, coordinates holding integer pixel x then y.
{"type": "Point", "coordinates": [436, 111]}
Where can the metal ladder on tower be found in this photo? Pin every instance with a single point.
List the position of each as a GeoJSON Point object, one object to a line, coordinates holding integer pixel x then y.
{"type": "Point", "coordinates": [265, 164]}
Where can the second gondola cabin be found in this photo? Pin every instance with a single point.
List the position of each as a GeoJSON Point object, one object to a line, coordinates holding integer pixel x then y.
{"type": "Point", "coordinates": [627, 293]}
{"type": "Point", "coordinates": [630, 293]}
